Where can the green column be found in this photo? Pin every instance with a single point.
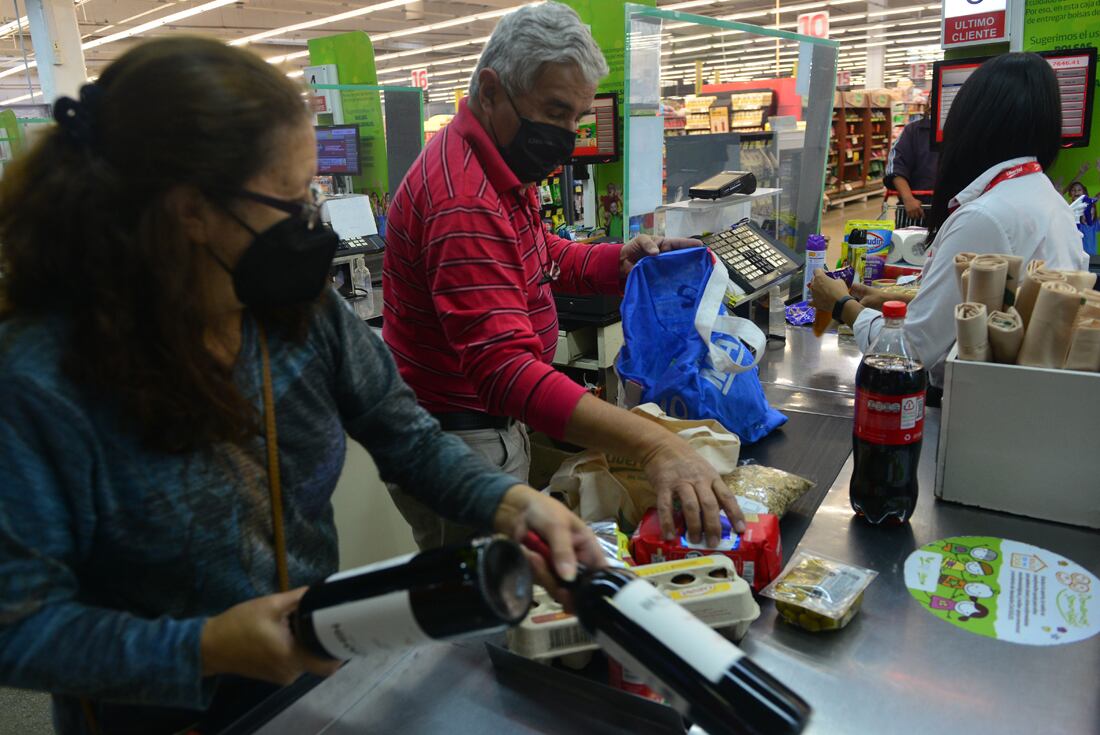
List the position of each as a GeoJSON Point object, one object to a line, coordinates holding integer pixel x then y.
{"type": "Point", "coordinates": [353, 55]}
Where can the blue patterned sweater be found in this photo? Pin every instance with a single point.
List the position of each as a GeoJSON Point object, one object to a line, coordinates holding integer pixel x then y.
{"type": "Point", "coordinates": [112, 556]}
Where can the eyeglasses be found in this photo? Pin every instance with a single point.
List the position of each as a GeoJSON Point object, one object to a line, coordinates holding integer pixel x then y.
{"type": "Point", "coordinates": [309, 210]}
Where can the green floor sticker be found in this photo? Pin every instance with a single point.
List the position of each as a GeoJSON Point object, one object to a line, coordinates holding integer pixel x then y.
{"type": "Point", "coordinates": [1004, 589]}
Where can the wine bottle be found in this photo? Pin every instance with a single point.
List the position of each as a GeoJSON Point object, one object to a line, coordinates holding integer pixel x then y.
{"type": "Point", "coordinates": [411, 600]}
{"type": "Point", "coordinates": [705, 677]}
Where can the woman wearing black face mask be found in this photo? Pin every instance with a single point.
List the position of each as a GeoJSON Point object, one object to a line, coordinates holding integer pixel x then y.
{"type": "Point", "coordinates": [175, 387]}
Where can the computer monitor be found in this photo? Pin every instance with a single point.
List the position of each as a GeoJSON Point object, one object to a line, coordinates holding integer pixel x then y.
{"type": "Point", "coordinates": [947, 79]}
{"type": "Point", "coordinates": [1076, 73]}
{"type": "Point", "coordinates": [338, 150]}
{"type": "Point", "coordinates": [597, 133]}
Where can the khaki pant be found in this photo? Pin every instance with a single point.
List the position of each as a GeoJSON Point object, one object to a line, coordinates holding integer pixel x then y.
{"type": "Point", "coordinates": [508, 449]}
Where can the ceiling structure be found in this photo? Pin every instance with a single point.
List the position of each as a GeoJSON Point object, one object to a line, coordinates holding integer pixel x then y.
{"type": "Point", "coordinates": [445, 37]}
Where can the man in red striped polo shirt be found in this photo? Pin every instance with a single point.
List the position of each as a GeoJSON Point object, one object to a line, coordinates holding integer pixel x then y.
{"type": "Point", "coordinates": [469, 312]}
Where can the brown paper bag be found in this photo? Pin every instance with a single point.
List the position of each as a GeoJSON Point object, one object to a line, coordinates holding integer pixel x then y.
{"type": "Point", "coordinates": [988, 275]}
{"type": "Point", "coordinates": [1012, 278]}
{"type": "Point", "coordinates": [972, 332]}
{"type": "Point", "coordinates": [1081, 280]}
{"type": "Point", "coordinates": [962, 262]}
{"type": "Point", "coordinates": [1047, 339]}
{"type": "Point", "coordinates": [1034, 277]}
{"type": "Point", "coordinates": [1084, 349]}
{"type": "Point", "coordinates": [1090, 309]}
{"type": "Point", "coordinates": [599, 487]}
{"type": "Point", "coordinates": [1006, 334]}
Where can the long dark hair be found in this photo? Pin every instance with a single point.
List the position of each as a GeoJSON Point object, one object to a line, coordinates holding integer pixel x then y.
{"type": "Point", "coordinates": [1008, 108]}
{"type": "Point", "coordinates": [87, 232]}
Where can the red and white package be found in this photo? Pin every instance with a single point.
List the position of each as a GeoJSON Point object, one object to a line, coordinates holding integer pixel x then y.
{"type": "Point", "coordinates": [757, 554]}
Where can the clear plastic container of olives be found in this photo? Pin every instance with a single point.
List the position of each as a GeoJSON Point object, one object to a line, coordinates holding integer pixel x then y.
{"type": "Point", "coordinates": [817, 592]}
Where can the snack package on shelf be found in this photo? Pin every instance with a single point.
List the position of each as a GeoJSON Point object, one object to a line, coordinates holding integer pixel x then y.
{"type": "Point", "coordinates": [757, 554]}
{"type": "Point", "coordinates": [761, 489]}
{"type": "Point", "coordinates": [817, 593]}
{"type": "Point", "coordinates": [708, 587]}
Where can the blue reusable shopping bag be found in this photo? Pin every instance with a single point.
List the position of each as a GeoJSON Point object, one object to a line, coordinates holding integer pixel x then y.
{"type": "Point", "coordinates": [685, 352]}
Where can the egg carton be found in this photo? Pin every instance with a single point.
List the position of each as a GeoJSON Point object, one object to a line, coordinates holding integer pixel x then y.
{"type": "Point", "coordinates": [707, 586]}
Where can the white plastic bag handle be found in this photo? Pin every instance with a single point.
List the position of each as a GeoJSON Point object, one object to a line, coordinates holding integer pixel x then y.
{"type": "Point", "coordinates": [709, 318]}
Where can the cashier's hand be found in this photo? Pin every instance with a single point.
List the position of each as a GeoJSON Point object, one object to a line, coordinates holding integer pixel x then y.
{"type": "Point", "coordinates": [827, 291]}
{"type": "Point", "coordinates": [524, 509]}
{"type": "Point", "coordinates": [253, 639]}
{"type": "Point", "coordinates": [869, 296]}
{"type": "Point", "coordinates": [644, 245]}
{"type": "Point", "coordinates": [677, 472]}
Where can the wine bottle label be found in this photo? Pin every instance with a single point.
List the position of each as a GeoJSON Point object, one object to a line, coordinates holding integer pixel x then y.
{"type": "Point", "coordinates": [375, 623]}
{"type": "Point", "coordinates": [677, 629]}
{"type": "Point", "coordinates": [375, 567]}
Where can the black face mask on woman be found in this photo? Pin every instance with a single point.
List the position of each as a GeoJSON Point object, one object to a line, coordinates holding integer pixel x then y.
{"type": "Point", "coordinates": [288, 263]}
{"type": "Point", "coordinates": [537, 149]}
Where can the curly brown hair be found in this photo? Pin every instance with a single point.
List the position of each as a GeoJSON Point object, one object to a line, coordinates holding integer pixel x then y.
{"type": "Point", "coordinates": [87, 232]}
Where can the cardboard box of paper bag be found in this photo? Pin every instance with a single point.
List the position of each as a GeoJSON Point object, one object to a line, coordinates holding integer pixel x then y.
{"type": "Point", "coordinates": [1022, 440]}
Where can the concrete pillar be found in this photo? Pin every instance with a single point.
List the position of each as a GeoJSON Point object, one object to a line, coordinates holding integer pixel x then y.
{"type": "Point", "coordinates": [875, 68]}
{"type": "Point", "coordinates": [56, 38]}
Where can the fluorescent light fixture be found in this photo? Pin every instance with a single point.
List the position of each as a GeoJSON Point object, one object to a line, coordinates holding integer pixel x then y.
{"type": "Point", "coordinates": [898, 11]}
{"type": "Point", "coordinates": [328, 19]}
{"type": "Point", "coordinates": [428, 49]}
{"type": "Point", "coordinates": [688, 4]}
{"type": "Point", "coordinates": [20, 98]}
{"type": "Point", "coordinates": [296, 74]}
{"type": "Point", "coordinates": [163, 21]}
{"type": "Point", "coordinates": [15, 25]}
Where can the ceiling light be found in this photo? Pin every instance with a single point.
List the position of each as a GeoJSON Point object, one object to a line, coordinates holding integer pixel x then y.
{"type": "Point", "coordinates": [358, 12]}
{"type": "Point", "coordinates": [428, 49]}
{"type": "Point", "coordinates": [171, 18]}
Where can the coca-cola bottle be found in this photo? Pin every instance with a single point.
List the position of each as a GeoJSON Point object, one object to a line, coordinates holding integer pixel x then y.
{"type": "Point", "coordinates": [889, 424]}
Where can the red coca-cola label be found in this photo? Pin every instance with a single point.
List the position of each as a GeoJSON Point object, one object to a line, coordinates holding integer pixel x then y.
{"type": "Point", "coordinates": [883, 419]}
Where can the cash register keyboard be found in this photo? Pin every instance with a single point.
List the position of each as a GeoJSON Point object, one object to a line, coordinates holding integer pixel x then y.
{"type": "Point", "coordinates": [749, 255]}
{"type": "Point", "coordinates": [365, 244]}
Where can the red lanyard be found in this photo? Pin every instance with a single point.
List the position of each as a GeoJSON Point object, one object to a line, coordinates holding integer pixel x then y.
{"type": "Point", "coordinates": [1014, 172]}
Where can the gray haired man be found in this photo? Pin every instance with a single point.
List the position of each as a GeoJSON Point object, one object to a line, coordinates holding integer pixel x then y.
{"type": "Point", "coordinates": [469, 269]}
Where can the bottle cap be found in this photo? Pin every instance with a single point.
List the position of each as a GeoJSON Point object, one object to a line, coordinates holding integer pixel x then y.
{"type": "Point", "coordinates": [816, 243]}
{"type": "Point", "coordinates": [894, 309]}
{"type": "Point", "coordinates": [857, 237]}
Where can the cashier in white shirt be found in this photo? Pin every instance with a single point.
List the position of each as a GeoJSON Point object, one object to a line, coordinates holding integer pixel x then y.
{"type": "Point", "coordinates": [1002, 133]}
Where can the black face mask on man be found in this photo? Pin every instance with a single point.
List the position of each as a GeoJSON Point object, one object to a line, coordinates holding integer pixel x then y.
{"type": "Point", "coordinates": [286, 264]}
{"type": "Point", "coordinates": [537, 148]}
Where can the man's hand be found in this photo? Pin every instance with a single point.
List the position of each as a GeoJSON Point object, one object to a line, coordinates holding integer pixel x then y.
{"type": "Point", "coordinates": [827, 291]}
{"type": "Point", "coordinates": [644, 245]}
{"type": "Point", "coordinates": [253, 639]}
{"type": "Point", "coordinates": [912, 206]}
{"type": "Point", "coordinates": [525, 509]}
{"type": "Point", "coordinates": [677, 472]}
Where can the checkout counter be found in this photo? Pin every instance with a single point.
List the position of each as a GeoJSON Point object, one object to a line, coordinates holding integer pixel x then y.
{"type": "Point", "coordinates": [896, 668]}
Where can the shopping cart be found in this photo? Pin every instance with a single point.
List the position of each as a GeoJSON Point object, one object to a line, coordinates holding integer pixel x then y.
{"type": "Point", "coordinates": [901, 217]}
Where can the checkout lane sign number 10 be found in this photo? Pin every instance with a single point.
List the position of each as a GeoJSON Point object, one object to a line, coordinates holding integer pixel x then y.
{"type": "Point", "coordinates": [814, 24]}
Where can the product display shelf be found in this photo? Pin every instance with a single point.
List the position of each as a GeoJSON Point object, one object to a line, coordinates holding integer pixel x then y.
{"type": "Point", "coordinates": [860, 144]}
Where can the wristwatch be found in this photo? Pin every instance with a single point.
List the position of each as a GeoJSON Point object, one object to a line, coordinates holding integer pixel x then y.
{"type": "Point", "coordinates": [838, 307]}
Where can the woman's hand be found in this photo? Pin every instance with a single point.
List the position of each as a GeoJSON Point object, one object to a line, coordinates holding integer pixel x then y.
{"type": "Point", "coordinates": [253, 639]}
{"type": "Point", "coordinates": [870, 296]}
{"type": "Point", "coordinates": [827, 291]}
{"type": "Point", "coordinates": [644, 245]}
{"type": "Point", "coordinates": [525, 509]}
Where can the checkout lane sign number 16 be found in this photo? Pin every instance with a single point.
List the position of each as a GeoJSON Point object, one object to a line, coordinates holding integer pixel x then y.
{"type": "Point", "coordinates": [420, 78]}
